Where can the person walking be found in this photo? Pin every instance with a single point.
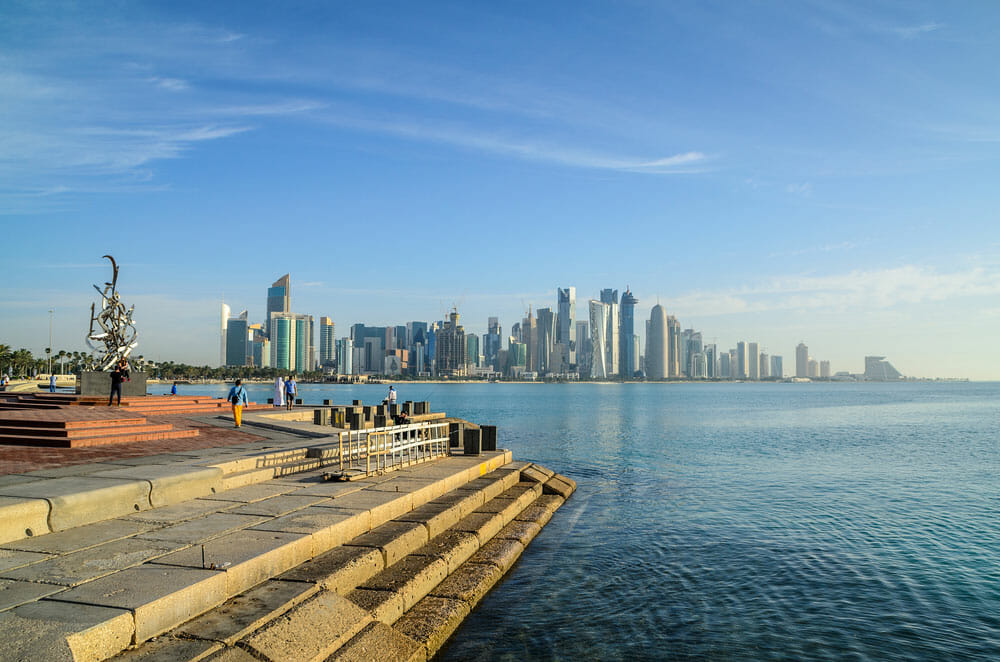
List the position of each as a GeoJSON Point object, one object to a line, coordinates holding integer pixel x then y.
{"type": "Point", "coordinates": [238, 397]}
{"type": "Point", "coordinates": [279, 392]}
{"type": "Point", "coordinates": [392, 395]}
{"type": "Point", "coordinates": [291, 390]}
{"type": "Point", "coordinates": [52, 383]}
{"type": "Point", "coordinates": [118, 375]}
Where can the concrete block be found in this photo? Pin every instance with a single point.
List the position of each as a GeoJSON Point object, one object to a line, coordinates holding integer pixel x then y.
{"type": "Point", "coordinates": [421, 490]}
{"type": "Point", "coordinates": [452, 547]}
{"type": "Point", "coordinates": [412, 577]}
{"type": "Point", "coordinates": [456, 434]}
{"type": "Point", "coordinates": [551, 501]}
{"type": "Point", "coordinates": [394, 539]}
{"type": "Point", "coordinates": [232, 655]}
{"type": "Point", "coordinates": [466, 501]}
{"type": "Point", "coordinates": [340, 570]}
{"type": "Point", "coordinates": [295, 635]}
{"type": "Point", "coordinates": [181, 512]}
{"type": "Point", "coordinates": [72, 470]}
{"type": "Point", "coordinates": [11, 559]}
{"type": "Point", "coordinates": [245, 478]}
{"type": "Point", "coordinates": [470, 583]}
{"type": "Point", "coordinates": [380, 643]}
{"type": "Point", "coordinates": [82, 537]}
{"type": "Point", "coordinates": [560, 485]}
{"type": "Point", "coordinates": [381, 506]}
{"type": "Point", "coordinates": [14, 593]}
{"type": "Point", "coordinates": [91, 563]}
{"type": "Point", "coordinates": [93, 382]}
{"type": "Point", "coordinates": [539, 515]}
{"type": "Point", "coordinates": [523, 532]}
{"type": "Point", "coordinates": [489, 486]}
{"type": "Point", "coordinates": [241, 615]}
{"type": "Point", "coordinates": [384, 606]}
{"type": "Point", "coordinates": [159, 597]}
{"type": "Point", "coordinates": [246, 557]}
{"type": "Point", "coordinates": [46, 630]}
{"type": "Point", "coordinates": [204, 528]}
{"type": "Point", "coordinates": [501, 552]}
{"type": "Point", "coordinates": [252, 493]}
{"type": "Point", "coordinates": [536, 474]}
{"type": "Point", "coordinates": [327, 527]}
{"type": "Point", "coordinates": [76, 501]}
{"type": "Point", "coordinates": [16, 479]}
{"type": "Point", "coordinates": [508, 509]}
{"type": "Point", "coordinates": [437, 517]}
{"type": "Point", "coordinates": [432, 621]}
{"type": "Point", "coordinates": [23, 518]}
{"type": "Point", "coordinates": [484, 525]}
{"type": "Point", "coordinates": [171, 483]}
{"type": "Point", "coordinates": [278, 505]}
{"type": "Point", "coordinates": [330, 489]}
{"type": "Point", "coordinates": [170, 649]}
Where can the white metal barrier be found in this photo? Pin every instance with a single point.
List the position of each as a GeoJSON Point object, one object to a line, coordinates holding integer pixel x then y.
{"type": "Point", "coordinates": [373, 451]}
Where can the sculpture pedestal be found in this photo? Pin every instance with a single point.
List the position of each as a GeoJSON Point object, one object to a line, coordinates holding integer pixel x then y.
{"type": "Point", "coordinates": [99, 383]}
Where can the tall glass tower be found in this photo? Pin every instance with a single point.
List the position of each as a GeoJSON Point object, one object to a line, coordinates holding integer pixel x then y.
{"type": "Point", "coordinates": [278, 297]}
{"type": "Point", "coordinates": [629, 360]}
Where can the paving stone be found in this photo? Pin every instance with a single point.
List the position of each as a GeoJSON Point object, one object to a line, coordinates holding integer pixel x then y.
{"type": "Point", "coordinates": [384, 606]}
{"type": "Point", "coordinates": [327, 527]}
{"type": "Point", "coordinates": [508, 509]}
{"type": "Point", "coordinates": [16, 479]}
{"type": "Point", "coordinates": [278, 505]}
{"type": "Point", "coordinates": [76, 501]}
{"type": "Point", "coordinates": [171, 483]}
{"type": "Point", "coordinates": [484, 525]}
{"type": "Point", "coordinates": [331, 488]}
{"type": "Point", "coordinates": [14, 593]}
{"type": "Point", "coordinates": [246, 612]}
{"type": "Point", "coordinates": [560, 485]}
{"type": "Point", "coordinates": [181, 512]}
{"type": "Point", "coordinates": [432, 621]}
{"type": "Point", "coordinates": [395, 539]}
{"type": "Point", "coordinates": [382, 506]}
{"type": "Point", "coordinates": [93, 562]}
{"type": "Point", "coordinates": [340, 570]}
{"type": "Point", "coordinates": [22, 517]}
{"type": "Point", "coordinates": [453, 547]}
{"type": "Point", "coordinates": [437, 517]}
{"type": "Point", "coordinates": [251, 493]}
{"type": "Point", "coordinates": [10, 559]}
{"type": "Point", "coordinates": [203, 528]}
{"type": "Point", "coordinates": [162, 458]}
{"type": "Point", "coordinates": [231, 655]}
{"type": "Point", "coordinates": [159, 597]}
{"type": "Point", "coordinates": [169, 649]}
{"type": "Point", "coordinates": [71, 470]}
{"type": "Point", "coordinates": [523, 532]}
{"type": "Point", "coordinates": [45, 630]}
{"type": "Point", "coordinates": [467, 501]}
{"type": "Point", "coordinates": [246, 557]}
{"type": "Point", "coordinates": [540, 515]}
{"type": "Point", "coordinates": [295, 635]}
{"type": "Point", "coordinates": [500, 552]}
{"type": "Point", "coordinates": [81, 537]}
{"type": "Point", "coordinates": [489, 486]}
{"type": "Point", "coordinates": [412, 577]}
{"type": "Point", "coordinates": [380, 643]}
{"type": "Point", "coordinates": [420, 490]}
{"type": "Point", "coordinates": [469, 583]}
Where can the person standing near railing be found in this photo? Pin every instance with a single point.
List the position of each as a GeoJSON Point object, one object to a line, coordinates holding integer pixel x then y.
{"type": "Point", "coordinates": [392, 395]}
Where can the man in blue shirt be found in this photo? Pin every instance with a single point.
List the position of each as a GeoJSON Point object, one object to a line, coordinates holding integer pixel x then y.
{"type": "Point", "coordinates": [291, 389]}
{"type": "Point", "coordinates": [238, 398]}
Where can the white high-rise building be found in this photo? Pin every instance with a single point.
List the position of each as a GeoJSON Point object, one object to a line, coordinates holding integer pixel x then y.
{"type": "Point", "coordinates": [801, 360]}
{"type": "Point", "coordinates": [599, 313]}
{"type": "Point", "coordinates": [656, 344]}
{"type": "Point", "coordinates": [226, 311]}
{"type": "Point", "coordinates": [566, 321]}
{"type": "Point", "coordinates": [777, 370]}
{"type": "Point", "coordinates": [753, 361]}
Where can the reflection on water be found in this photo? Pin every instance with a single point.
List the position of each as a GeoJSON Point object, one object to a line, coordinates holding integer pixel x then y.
{"type": "Point", "coordinates": [744, 522]}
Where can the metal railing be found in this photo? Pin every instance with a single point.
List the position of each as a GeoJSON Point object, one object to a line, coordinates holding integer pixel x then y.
{"type": "Point", "coordinates": [368, 452]}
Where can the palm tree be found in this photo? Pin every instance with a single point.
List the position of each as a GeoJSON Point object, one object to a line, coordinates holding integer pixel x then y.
{"type": "Point", "coordinates": [6, 357]}
{"type": "Point", "coordinates": [22, 361]}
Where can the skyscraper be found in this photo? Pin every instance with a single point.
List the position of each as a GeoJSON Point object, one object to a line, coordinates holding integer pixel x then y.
{"type": "Point", "coordinates": [753, 361]}
{"type": "Point", "coordinates": [292, 345]}
{"type": "Point", "coordinates": [801, 360]}
{"type": "Point", "coordinates": [566, 321]}
{"type": "Point", "coordinates": [877, 369]}
{"type": "Point", "coordinates": [824, 369]}
{"type": "Point", "coordinates": [598, 339]}
{"type": "Point", "coordinates": [546, 330]}
{"type": "Point", "coordinates": [450, 347]}
{"type": "Point", "coordinates": [612, 335]}
{"type": "Point", "coordinates": [777, 369]}
{"type": "Point", "coordinates": [742, 360]}
{"type": "Point", "coordinates": [492, 343]}
{"type": "Point", "coordinates": [765, 366]}
{"type": "Point", "coordinates": [327, 343]}
{"type": "Point", "coordinates": [225, 323]}
{"type": "Point", "coordinates": [583, 350]}
{"type": "Point", "coordinates": [238, 340]}
{"type": "Point", "coordinates": [278, 299]}
{"type": "Point", "coordinates": [345, 363]}
{"type": "Point", "coordinates": [673, 347]}
{"type": "Point", "coordinates": [656, 344]}
{"type": "Point", "coordinates": [629, 362]}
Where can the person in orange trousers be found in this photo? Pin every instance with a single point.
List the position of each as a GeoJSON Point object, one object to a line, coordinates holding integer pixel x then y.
{"type": "Point", "coordinates": [238, 398]}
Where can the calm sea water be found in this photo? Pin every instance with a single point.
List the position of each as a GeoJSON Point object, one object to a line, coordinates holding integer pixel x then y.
{"type": "Point", "coordinates": [744, 521]}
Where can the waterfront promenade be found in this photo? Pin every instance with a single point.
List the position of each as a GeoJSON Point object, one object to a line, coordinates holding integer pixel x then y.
{"type": "Point", "coordinates": [240, 550]}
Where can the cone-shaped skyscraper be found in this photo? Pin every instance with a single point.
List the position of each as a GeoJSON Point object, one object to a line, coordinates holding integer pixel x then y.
{"type": "Point", "coordinates": [656, 360]}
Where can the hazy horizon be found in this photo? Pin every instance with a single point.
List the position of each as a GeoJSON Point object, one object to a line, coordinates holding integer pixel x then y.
{"type": "Point", "coordinates": [773, 172]}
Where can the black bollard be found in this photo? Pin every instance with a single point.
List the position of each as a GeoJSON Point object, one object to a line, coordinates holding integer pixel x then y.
{"type": "Point", "coordinates": [473, 441]}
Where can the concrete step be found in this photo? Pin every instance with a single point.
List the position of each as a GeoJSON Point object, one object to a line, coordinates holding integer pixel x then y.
{"type": "Point", "coordinates": [78, 432]}
{"type": "Point", "coordinates": [43, 424]}
{"type": "Point", "coordinates": [98, 440]}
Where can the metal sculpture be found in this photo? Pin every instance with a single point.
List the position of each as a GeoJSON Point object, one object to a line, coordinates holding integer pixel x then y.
{"type": "Point", "coordinates": [116, 328]}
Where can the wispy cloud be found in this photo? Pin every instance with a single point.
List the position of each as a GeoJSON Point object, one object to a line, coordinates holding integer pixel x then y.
{"type": "Point", "coordinates": [913, 31]}
{"type": "Point", "coordinates": [854, 291]}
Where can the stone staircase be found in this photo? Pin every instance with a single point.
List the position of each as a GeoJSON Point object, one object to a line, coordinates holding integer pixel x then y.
{"type": "Point", "coordinates": [245, 553]}
{"type": "Point", "coordinates": [73, 429]}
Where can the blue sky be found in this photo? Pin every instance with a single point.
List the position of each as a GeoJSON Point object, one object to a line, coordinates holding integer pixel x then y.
{"type": "Point", "coordinates": [772, 172]}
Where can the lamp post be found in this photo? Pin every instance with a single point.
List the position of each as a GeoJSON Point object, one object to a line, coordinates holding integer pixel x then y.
{"type": "Point", "coordinates": [48, 350]}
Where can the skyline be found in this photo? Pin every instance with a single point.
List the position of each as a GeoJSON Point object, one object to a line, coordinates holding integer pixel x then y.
{"type": "Point", "coordinates": [819, 173]}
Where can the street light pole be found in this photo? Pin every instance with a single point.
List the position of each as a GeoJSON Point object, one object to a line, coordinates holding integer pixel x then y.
{"type": "Point", "coordinates": [49, 350]}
